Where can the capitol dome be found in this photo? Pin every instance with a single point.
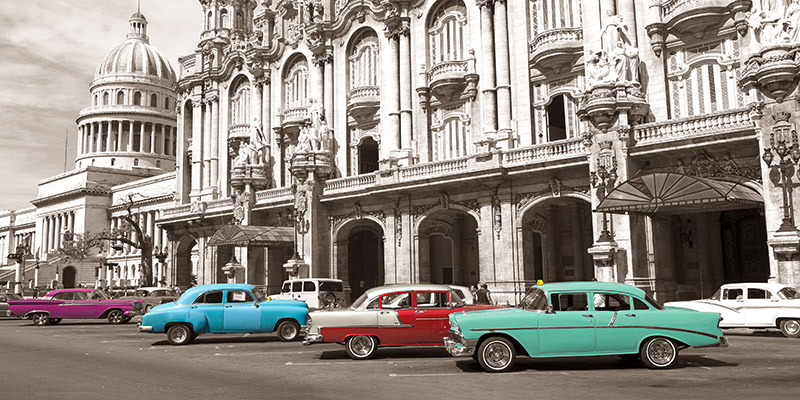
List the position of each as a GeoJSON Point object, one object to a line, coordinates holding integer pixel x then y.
{"type": "Point", "coordinates": [135, 59]}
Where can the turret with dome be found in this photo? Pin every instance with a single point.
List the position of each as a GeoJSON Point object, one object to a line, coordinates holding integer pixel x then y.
{"type": "Point", "coordinates": [131, 122]}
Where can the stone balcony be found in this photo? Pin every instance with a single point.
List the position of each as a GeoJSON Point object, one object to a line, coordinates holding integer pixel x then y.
{"type": "Point", "coordinates": [364, 101]}
{"type": "Point", "coordinates": [693, 16]}
{"type": "Point", "coordinates": [447, 79]}
{"type": "Point", "coordinates": [294, 117]}
{"type": "Point", "coordinates": [555, 48]}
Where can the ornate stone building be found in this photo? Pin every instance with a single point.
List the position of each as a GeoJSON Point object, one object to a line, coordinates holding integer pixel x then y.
{"type": "Point", "coordinates": [456, 141]}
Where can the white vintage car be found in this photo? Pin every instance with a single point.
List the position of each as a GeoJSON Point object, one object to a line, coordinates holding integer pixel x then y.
{"type": "Point", "coordinates": [752, 305]}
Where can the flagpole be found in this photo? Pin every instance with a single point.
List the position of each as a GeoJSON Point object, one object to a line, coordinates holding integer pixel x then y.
{"type": "Point", "coordinates": [66, 136]}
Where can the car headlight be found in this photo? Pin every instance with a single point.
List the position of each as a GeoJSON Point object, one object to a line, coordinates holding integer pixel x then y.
{"type": "Point", "coordinates": [137, 305]}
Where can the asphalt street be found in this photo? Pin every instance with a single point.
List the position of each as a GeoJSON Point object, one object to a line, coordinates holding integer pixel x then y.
{"type": "Point", "coordinates": [94, 360]}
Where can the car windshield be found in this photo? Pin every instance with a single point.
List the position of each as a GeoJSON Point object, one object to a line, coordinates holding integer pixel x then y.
{"type": "Point", "coordinates": [789, 293]}
{"type": "Point", "coordinates": [359, 303]}
{"type": "Point", "coordinates": [259, 296]}
{"type": "Point", "coordinates": [716, 295]}
{"type": "Point", "coordinates": [99, 294]}
{"type": "Point", "coordinates": [535, 300]}
{"type": "Point", "coordinates": [653, 301]}
{"type": "Point", "coordinates": [455, 299]}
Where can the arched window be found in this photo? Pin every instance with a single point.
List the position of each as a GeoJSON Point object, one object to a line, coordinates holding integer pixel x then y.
{"type": "Point", "coordinates": [153, 100]}
{"type": "Point", "coordinates": [447, 32]}
{"type": "Point", "coordinates": [210, 20]}
{"type": "Point", "coordinates": [105, 98]}
{"type": "Point", "coordinates": [112, 161]}
{"type": "Point", "coordinates": [562, 121]}
{"type": "Point", "coordinates": [158, 163]}
{"type": "Point", "coordinates": [546, 15]}
{"type": "Point", "coordinates": [224, 19]}
{"type": "Point", "coordinates": [367, 156]}
{"type": "Point", "coordinates": [120, 97]}
{"type": "Point", "coordinates": [166, 103]}
{"type": "Point", "coordinates": [137, 98]}
{"type": "Point", "coordinates": [451, 133]}
{"type": "Point", "coordinates": [240, 103]}
{"type": "Point", "coordinates": [364, 61]}
{"type": "Point", "coordinates": [135, 162]}
{"type": "Point", "coordinates": [95, 100]}
{"type": "Point", "coordinates": [296, 84]}
{"type": "Point", "coordinates": [239, 21]}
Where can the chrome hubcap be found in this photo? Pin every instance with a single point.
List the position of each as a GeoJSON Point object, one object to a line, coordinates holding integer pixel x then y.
{"type": "Point", "coordinates": [39, 319]}
{"type": "Point", "coordinates": [791, 326]}
{"type": "Point", "coordinates": [361, 345]}
{"type": "Point", "coordinates": [497, 355]}
{"type": "Point", "coordinates": [178, 335]}
{"type": "Point", "coordinates": [660, 352]}
{"type": "Point", "coordinates": [289, 331]}
{"type": "Point", "coordinates": [116, 317]}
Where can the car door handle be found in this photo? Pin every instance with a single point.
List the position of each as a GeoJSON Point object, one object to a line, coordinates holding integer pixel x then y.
{"type": "Point", "coordinates": [588, 315]}
{"type": "Point", "coordinates": [630, 315]}
{"type": "Point", "coordinates": [420, 311]}
{"type": "Point", "coordinates": [227, 306]}
{"type": "Point", "coordinates": [384, 312]}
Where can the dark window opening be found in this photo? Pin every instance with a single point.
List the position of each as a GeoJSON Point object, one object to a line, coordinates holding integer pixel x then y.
{"type": "Point", "coordinates": [556, 119]}
{"type": "Point", "coordinates": [367, 156]}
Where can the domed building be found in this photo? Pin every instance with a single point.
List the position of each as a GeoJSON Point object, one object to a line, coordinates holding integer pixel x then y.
{"type": "Point", "coordinates": [131, 120]}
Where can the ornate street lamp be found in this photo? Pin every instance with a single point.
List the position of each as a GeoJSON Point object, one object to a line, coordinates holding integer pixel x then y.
{"type": "Point", "coordinates": [788, 154]}
{"type": "Point", "coordinates": [604, 179]}
{"type": "Point", "coordinates": [161, 255]}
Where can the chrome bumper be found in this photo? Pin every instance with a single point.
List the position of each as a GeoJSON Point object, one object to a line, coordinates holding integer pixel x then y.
{"type": "Point", "coordinates": [457, 349]}
{"type": "Point", "coordinates": [145, 328]}
{"type": "Point", "coordinates": [312, 338]}
{"type": "Point", "coordinates": [723, 341]}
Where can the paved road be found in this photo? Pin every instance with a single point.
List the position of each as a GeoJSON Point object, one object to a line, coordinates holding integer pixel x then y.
{"type": "Point", "coordinates": [92, 359]}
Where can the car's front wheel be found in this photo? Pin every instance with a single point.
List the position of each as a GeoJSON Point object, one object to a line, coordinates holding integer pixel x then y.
{"type": "Point", "coordinates": [659, 353]}
{"type": "Point", "coordinates": [40, 319]}
{"type": "Point", "coordinates": [147, 308]}
{"type": "Point", "coordinates": [288, 331]}
{"type": "Point", "coordinates": [116, 317]}
{"type": "Point", "coordinates": [496, 354]}
{"type": "Point", "coordinates": [790, 328]}
{"type": "Point", "coordinates": [361, 347]}
{"type": "Point", "coordinates": [180, 334]}
{"type": "Point", "coordinates": [53, 320]}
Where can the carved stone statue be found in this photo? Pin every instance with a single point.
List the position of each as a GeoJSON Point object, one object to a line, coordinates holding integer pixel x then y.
{"type": "Point", "coordinates": [618, 61]}
{"type": "Point", "coordinates": [773, 22]}
{"type": "Point", "coordinates": [303, 141]}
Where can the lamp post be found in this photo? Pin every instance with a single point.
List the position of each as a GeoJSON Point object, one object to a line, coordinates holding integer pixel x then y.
{"type": "Point", "coordinates": [604, 178]}
{"type": "Point", "coordinates": [788, 154]}
{"type": "Point", "coordinates": [161, 255]}
{"type": "Point", "coordinates": [19, 258]}
{"type": "Point", "coordinates": [118, 247]}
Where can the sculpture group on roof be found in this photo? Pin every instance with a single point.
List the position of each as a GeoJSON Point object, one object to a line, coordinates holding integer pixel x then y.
{"type": "Point", "coordinates": [253, 152]}
{"type": "Point", "coordinates": [773, 22]}
{"type": "Point", "coordinates": [316, 135]}
{"type": "Point", "coordinates": [618, 60]}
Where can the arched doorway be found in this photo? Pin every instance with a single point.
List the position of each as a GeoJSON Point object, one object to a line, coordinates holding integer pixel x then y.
{"type": "Point", "coordinates": [448, 248]}
{"type": "Point", "coordinates": [745, 255]}
{"type": "Point", "coordinates": [359, 256]}
{"type": "Point", "coordinates": [69, 277]}
{"type": "Point", "coordinates": [184, 263]}
{"type": "Point", "coordinates": [556, 234]}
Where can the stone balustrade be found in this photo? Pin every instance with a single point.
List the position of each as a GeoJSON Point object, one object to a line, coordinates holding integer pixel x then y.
{"type": "Point", "coordinates": [177, 210]}
{"type": "Point", "coordinates": [350, 183]}
{"type": "Point", "coordinates": [555, 36]}
{"type": "Point", "coordinates": [448, 69]}
{"type": "Point", "coordinates": [433, 169]}
{"type": "Point", "coordinates": [294, 116]}
{"type": "Point", "coordinates": [544, 152]}
{"type": "Point", "coordinates": [364, 92]}
{"type": "Point", "coordinates": [728, 120]}
{"type": "Point", "coordinates": [239, 131]}
{"type": "Point", "coordinates": [274, 195]}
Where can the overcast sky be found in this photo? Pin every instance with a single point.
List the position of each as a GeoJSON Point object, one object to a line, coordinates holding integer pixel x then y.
{"type": "Point", "coordinates": [49, 50]}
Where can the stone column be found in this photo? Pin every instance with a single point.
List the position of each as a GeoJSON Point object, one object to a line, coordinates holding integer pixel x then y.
{"type": "Point", "coordinates": [79, 144]}
{"type": "Point", "coordinates": [578, 249]}
{"type": "Point", "coordinates": [152, 147]}
{"type": "Point", "coordinates": [316, 75]}
{"type": "Point", "coordinates": [130, 135]}
{"type": "Point", "coordinates": [328, 90]}
{"type": "Point", "coordinates": [197, 141]}
{"type": "Point", "coordinates": [551, 269]}
{"type": "Point", "coordinates": [141, 137]}
{"type": "Point", "coordinates": [390, 96]}
{"type": "Point", "coordinates": [90, 148]}
{"type": "Point", "coordinates": [214, 162]}
{"type": "Point", "coordinates": [51, 232]}
{"type": "Point", "coordinates": [488, 78]}
{"type": "Point", "coordinates": [108, 138]}
{"type": "Point", "coordinates": [206, 132]}
{"type": "Point", "coordinates": [45, 235]}
{"type": "Point", "coordinates": [406, 133]}
{"type": "Point", "coordinates": [59, 228]}
{"type": "Point", "coordinates": [503, 72]}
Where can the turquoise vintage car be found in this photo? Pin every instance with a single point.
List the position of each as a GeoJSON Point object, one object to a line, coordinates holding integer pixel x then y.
{"type": "Point", "coordinates": [582, 319]}
{"type": "Point", "coordinates": [225, 308]}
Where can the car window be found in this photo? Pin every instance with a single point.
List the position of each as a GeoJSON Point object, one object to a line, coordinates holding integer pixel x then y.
{"type": "Point", "coordinates": [639, 305]}
{"type": "Point", "coordinates": [431, 299]}
{"type": "Point", "coordinates": [63, 296]}
{"type": "Point", "coordinates": [331, 287]}
{"type": "Point", "coordinates": [162, 293]}
{"type": "Point", "coordinates": [716, 295]}
{"type": "Point", "coordinates": [297, 287]}
{"type": "Point", "coordinates": [374, 304]}
{"type": "Point", "coordinates": [653, 302]}
{"type": "Point", "coordinates": [287, 287]}
{"type": "Point", "coordinates": [309, 286]}
{"type": "Point", "coordinates": [142, 293]}
{"type": "Point", "coordinates": [732, 294]}
{"type": "Point", "coordinates": [569, 302]}
{"type": "Point", "coordinates": [755, 293]}
{"type": "Point", "coordinates": [239, 296]}
{"type": "Point", "coordinates": [210, 298]}
{"type": "Point", "coordinates": [789, 293]}
{"type": "Point", "coordinates": [80, 296]}
{"type": "Point", "coordinates": [611, 302]}
{"type": "Point", "coordinates": [396, 300]}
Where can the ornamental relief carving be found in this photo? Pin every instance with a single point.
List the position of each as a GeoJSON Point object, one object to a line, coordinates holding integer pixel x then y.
{"type": "Point", "coordinates": [705, 165]}
{"type": "Point", "coordinates": [337, 221]}
{"type": "Point", "coordinates": [554, 189]}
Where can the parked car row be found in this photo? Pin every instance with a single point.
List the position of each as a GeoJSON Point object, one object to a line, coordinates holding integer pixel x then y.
{"type": "Point", "coordinates": [565, 319]}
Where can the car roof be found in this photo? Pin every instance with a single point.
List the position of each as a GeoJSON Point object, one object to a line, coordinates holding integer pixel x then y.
{"type": "Point", "coordinates": [192, 292]}
{"type": "Point", "coordinates": [591, 286]}
{"type": "Point", "coordinates": [762, 285]}
{"type": "Point", "coordinates": [313, 279]}
{"type": "Point", "coordinates": [377, 291]}
{"type": "Point", "coordinates": [85, 290]}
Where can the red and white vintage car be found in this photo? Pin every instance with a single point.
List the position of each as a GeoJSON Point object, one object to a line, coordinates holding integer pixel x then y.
{"type": "Point", "coordinates": [393, 315]}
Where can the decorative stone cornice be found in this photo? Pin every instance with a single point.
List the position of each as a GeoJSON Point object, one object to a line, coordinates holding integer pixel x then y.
{"type": "Point", "coordinates": [71, 193]}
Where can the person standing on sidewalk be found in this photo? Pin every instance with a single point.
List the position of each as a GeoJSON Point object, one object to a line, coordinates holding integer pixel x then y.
{"type": "Point", "coordinates": [483, 295]}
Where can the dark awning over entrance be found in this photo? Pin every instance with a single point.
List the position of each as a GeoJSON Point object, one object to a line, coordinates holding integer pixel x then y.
{"type": "Point", "coordinates": [672, 193]}
{"type": "Point", "coordinates": [237, 235]}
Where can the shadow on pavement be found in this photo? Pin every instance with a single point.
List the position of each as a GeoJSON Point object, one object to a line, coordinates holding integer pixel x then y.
{"type": "Point", "coordinates": [751, 332]}
{"type": "Point", "coordinates": [593, 363]}
{"type": "Point", "coordinates": [212, 338]}
{"type": "Point", "coordinates": [392, 353]}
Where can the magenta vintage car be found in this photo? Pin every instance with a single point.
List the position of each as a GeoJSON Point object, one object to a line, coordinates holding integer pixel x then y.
{"type": "Point", "coordinates": [75, 303]}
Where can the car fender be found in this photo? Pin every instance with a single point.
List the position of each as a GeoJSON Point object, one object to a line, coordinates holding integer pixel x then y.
{"type": "Point", "coordinates": [30, 313]}
{"type": "Point", "coordinates": [786, 314]}
{"type": "Point", "coordinates": [198, 321]}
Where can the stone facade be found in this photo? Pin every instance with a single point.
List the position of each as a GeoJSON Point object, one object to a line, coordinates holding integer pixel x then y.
{"type": "Point", "coordinates": [457, 141]}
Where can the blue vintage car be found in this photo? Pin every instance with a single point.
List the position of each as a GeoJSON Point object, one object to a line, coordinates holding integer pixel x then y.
{"type": "Point", "coordinates": [582, 319]}
{"type": "Point", "coordinates": [225, 308]}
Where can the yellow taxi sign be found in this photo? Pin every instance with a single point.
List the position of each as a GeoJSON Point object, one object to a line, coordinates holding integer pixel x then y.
{"type": "Point", "coordinates": [539, 282]}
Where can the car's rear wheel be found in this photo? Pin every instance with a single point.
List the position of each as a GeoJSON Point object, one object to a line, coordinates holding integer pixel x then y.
{"type": "Point", "coordinates": [116, 317]}
{"type": "Point", "coordinates": [659, 353]}
{"type": "Point", "coordinates": [496, 354]}
{"type": "Point", "coordinates": [147, 308]}
{"type": "Point", "coordinates": [180, 334]}
{"type": "Point", "coordinates": [40, 319]}
{"type": "Point", "coordinates": [361, 347]}
{"type": "Point", "coordinates": [53, 320]}
{"type": "Point", "coordinates": [288, 331]}
{"type": "Point", "coordinates": [790, 328]}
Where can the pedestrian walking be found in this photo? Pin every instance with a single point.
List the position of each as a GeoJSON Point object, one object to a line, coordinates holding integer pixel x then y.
{"type": "Point", "coordinates": [483, 295]}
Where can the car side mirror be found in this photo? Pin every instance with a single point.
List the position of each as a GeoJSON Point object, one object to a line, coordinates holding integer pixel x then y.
{"type": "Point", "coordinates": [550, 309]}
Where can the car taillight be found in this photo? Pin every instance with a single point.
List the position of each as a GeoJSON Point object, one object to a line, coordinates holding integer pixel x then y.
{"type": "Point", "coordinates": [719, 321]}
